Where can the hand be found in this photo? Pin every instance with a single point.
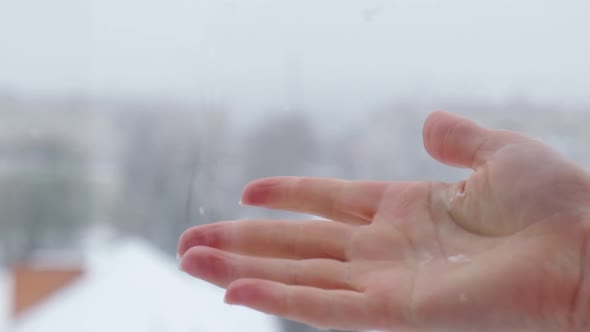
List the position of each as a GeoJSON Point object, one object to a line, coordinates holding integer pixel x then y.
{"type": "Point", "coordinates": [505, 250]}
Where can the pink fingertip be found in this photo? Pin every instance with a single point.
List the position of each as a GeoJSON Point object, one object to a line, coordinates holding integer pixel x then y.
{"type": "Point", "coordinates": [243, 292]}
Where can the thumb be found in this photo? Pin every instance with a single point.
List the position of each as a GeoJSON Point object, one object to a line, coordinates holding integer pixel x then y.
{"type": "Point", "coordinates": [456, 141]}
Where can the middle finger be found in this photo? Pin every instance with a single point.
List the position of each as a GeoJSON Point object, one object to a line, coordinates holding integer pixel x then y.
{"type": "Point", "coordinates": [273, 238]}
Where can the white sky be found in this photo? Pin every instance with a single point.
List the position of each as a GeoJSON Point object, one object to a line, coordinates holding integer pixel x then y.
{"type": "Point", "coordinates": [351, 54]}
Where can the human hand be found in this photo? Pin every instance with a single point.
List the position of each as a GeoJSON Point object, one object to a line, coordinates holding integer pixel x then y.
{"type": "Point", "coordinates": [505, 250]}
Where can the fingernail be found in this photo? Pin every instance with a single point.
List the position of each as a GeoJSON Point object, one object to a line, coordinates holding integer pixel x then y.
{"type": "Point", "coordinates": [178, 256]}
{"type": "Point", "coordinates": [241, 203]}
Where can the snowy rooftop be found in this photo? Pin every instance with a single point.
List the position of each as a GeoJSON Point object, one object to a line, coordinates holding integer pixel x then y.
{"type": "Point", "coordinates": [4, 299]}
{"type": "Point", "coordinates": [131, 286]}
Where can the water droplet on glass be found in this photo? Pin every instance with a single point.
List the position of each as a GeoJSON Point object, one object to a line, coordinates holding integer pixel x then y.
{"type": "Point", "coordinates": [460, 258]}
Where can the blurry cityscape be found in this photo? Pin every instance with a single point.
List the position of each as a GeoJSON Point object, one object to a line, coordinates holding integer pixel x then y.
{"type": "Point", "coordinates": [70, 169]}
{"type": "Point", "coordinates": [154, 170]}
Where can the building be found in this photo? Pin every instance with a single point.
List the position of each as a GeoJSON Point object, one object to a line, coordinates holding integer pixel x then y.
{"type": "Point", "coordinates": [126, 285]}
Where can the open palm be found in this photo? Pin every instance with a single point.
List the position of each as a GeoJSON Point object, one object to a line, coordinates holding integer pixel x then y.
{"type": "Point", "coordinates": [505, 250]}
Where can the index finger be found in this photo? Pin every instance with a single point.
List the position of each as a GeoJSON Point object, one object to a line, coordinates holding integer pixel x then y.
{"type": "Point", "coordinates": [339, 200]}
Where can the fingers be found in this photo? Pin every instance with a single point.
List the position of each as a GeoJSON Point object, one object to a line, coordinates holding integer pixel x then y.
{"type": "Point", "coordinates": [455, 141]}
{"type": "Point", "coordinates": [221, 268]}
{"type": "Point", "coordinates": [339, 200]}
{"type": "Point", "coordinates": [272, 238]}
{"type": "Point", "coordinates": [337, 309]}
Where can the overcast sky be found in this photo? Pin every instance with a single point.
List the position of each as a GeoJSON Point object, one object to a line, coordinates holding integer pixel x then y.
{"type": "Point", "coordinates": [255, 54]}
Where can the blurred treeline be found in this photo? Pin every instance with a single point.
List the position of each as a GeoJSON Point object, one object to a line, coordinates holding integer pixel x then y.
{"type": "Point", "coordinates": [153, 170]}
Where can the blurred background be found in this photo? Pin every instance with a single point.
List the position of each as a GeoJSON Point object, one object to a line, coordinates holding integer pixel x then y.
{"type": "Point", "coordinates": [122, 123]}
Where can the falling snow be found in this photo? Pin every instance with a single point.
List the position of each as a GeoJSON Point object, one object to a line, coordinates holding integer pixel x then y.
{"type": "Point", "coordinates": [460, 258]}
{"type": "Point", "coordinates": [426, 258]}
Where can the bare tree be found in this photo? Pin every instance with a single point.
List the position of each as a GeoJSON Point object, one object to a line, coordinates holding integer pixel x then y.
{"type": "Point", "coordinates": [46, 197]}
{"type": "Point", "coordinates": [172, 163]}
{"type": "Point", "coordinates": [285, 144]}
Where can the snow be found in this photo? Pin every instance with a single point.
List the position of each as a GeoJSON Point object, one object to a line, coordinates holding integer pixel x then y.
{"type": "Point", "coordinates": [460, 258]}
{"type": "Point", "coordinates": [4, 298]}
{"type": "Point", "coordinates": [131, 286]}
{"type": "Point", "coordinates": [427, 258]}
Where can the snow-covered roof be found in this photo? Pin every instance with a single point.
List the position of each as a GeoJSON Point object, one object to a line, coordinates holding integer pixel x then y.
{"type": "Point", "coordinates": [131, 286]}
{"type": "Point", "coordinates": [5, 297]}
